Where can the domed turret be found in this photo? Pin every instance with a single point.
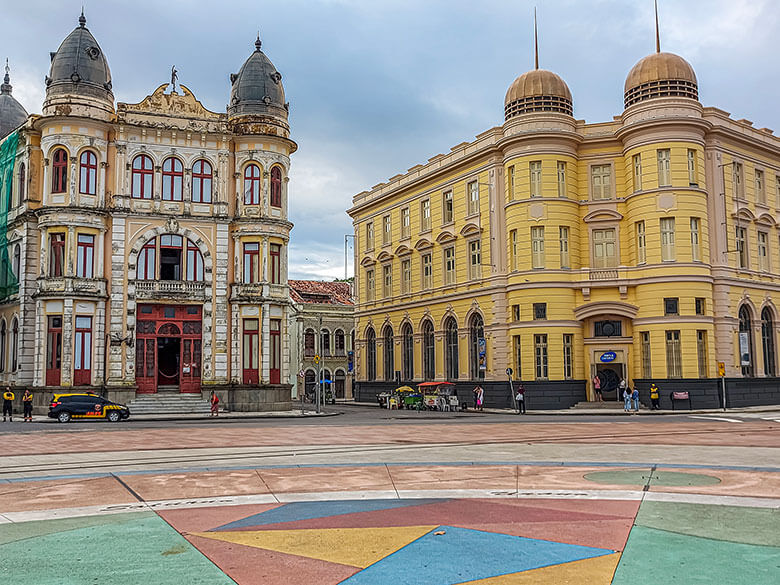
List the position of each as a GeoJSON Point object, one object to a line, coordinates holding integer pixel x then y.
{"type": "Point", "coordinates": [79, 70]}
{"type": "Point", "coordinates": [660, 75]}
{"type": "Point", "coordinates": [257, 94]}
{"type": "Point", "coordinates": [538, 90]}
{"type": "Point", "coordinates": [12, 114]}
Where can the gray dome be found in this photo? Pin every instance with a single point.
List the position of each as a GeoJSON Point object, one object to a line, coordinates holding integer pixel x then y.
{"type": "Point", "coordinates": [79, 67]}
{"type": "Point", "coordinates": [257, 88]}
{"type": "Point", "coordinates": [12, 114]}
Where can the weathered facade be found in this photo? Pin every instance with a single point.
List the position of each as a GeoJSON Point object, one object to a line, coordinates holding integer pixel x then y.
{"type": "Point", "coordinates": [151, 238]}
{"type": "Point", "coordinates": [324, 336]}
{"type": "Point", "coordinates": [643, 248]}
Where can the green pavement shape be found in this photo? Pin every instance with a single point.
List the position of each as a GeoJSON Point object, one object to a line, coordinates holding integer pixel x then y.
{"type": "Point", "coordinates": [128, 549]}
{"type": "Point", "coordinates": [745, 525]}
{"type": "Point", "coordinates": [25, 530]}
{"type": "Point", "coordinates": [659, 478]}
{"type": "Point", "coordinates": [661, 557]}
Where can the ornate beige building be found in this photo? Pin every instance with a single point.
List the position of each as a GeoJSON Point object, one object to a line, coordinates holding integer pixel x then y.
{"type": "Point", "coordinates": [147, 242]}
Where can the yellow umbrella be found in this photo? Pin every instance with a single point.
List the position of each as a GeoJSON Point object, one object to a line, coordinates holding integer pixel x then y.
{"type": "Point", "coordinates": [404, 389]}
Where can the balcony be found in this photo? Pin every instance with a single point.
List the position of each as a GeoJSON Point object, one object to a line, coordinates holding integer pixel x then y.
{"type": "Point", "coordinates": [259, 291]}
{"type": "Point", "coordinates": [169, 289]}
{"type": "Point", "coordinates": [57, 286]}
{"type": "Point", "coordinates": [603, 274]}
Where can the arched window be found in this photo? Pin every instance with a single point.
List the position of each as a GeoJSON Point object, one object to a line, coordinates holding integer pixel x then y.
{"type": "Point", "coordinates": [768, 341]}
{"type": "Point", "coordinates": [325, 342]}
{"type": "Point", "coordinates": [59, 176]}
{"type": "Point", "coordinates": [253, 184]}
{"type": "Point", "coordinates": [308, 343]}
{"type": "Point", "coordinates": [14, 344]}
{"type": "Point", "coordinates": [202, 179]}
{"type": "Point", "coordinates": [389, 354]}
{"type": "Point", "coordinates": [194, 262]}
{"type": "Point", "coordinates": [142, 177]}
{"type": "Point", "coordinates": [477, 349]}
{"type": "Point", "coordinates": [2, 345]}
{"type": "Point", "coordinates": [745, 341]}
{"type": "Point", "coordinates": [339, 381]}
{"type": "Point", "coordinates": [276, 187]}
{"type": "Point", "coordinates": [170, 257]}
{"type": "Point", "coordinates": [370, 354]}
{"type": "Point", "coordinates": [22, 182]}
{"type": "Point", "coordinates": [451, 348]}
{"type": "Point", "coordinates": [17, 261]}
{"type": "Point", "coordinates": [172, 179]}
{"type": "Point", "coordinates": [338, 342]}
{"type": "Point", "coordinates": [407, 350]}
{"type": "Point", "coordinates": [168, 329]}
{"type": "Point", "coordinates": [429, 351]}
{"type": "Point", "coordinates": [146, 261]}
{"type": "Point", "coordinates": [88, 173]}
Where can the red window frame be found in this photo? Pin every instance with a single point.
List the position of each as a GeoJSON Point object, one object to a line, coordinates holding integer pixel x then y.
{"type": "Point", "coordinates": [57, 254]}
{"type": "Point", "coordinates": [85, 256]}
{"type": "Point", "coordinates": [275, 371]}
{"type": "Point", "coordinates": [276, 187]}
{"type": "Point", "coordinates": [142, 177]}
{"type": "Point", "coordinates": [251, 262]}
{"type": "Point", "coordinates": [194, 263]}
{"type": "Point", "coordinates": [88, 173]}
{"type": "Point", "coordinates": [202, 181]}
{"type": "Point", "coordinates": [54, 350]}
{"type": "Point", "coordinates": [252, 184]}
{"type": "Point", "coordinates": [147, 264]}
{"type": "Point", "coordinates": [59, 177]}
{"type": "Point", "coordinates": [172, 179]}
{"type": "Point", "coordinates": [274, 252]}
{"type": "Point", "coordinates": [251, 352]}
{"type": "Point", "coordinates": [82, 351]}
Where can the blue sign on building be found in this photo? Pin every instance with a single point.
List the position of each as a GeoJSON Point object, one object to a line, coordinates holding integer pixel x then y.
{"type": "Point", "coordinates": [608, 356]}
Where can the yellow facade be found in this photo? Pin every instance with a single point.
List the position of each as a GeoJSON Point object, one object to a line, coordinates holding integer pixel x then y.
{"type": "Point", "coordinates": [594, 239]}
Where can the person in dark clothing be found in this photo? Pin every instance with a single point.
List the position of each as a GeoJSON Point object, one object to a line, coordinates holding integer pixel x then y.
{"type": "Point", "coordinates": [27, 402]}
{"type": "Point", "coordinates": [8, 405]}
{"type": "Point", "coordinates": [520, 397]}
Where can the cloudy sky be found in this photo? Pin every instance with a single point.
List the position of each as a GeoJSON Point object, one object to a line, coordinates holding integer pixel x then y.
{"type": "Point", "coordinates": [378, 86]}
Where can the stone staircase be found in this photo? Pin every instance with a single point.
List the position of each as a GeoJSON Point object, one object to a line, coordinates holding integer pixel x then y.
{"type": "Point", "coordinates": [169, 403]}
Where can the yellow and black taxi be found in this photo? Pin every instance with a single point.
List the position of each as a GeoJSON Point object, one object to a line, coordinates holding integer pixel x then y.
{"type": "Point", "coordinates": [65, 407]}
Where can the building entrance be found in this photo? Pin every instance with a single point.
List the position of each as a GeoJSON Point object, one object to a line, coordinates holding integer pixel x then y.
{"type": "Point", "coordinates": [168, 348]}
{"type": "Point", "coordinates": [610, 376]}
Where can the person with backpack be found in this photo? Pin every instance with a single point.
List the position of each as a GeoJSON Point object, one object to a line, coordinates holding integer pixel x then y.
{"type": "Point", "coordinates": [635, 399]}
{"type": "Point", "coordinates": [520, 398]}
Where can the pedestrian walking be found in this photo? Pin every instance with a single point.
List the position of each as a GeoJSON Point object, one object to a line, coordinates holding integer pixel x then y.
{"type": "Point", "coordinates": [27, 403]}
{"type": "Point", "coordinates": [475, 393]}
{"type": "Point", "coordinates": [635, 399]}
{"type": "Point", "coordinates": [8, 405]}
{"type": "Point", "coordinates": [479, 396]}
{"type": "Point", "coordinates": [655, 396]}
{"type": "Point", "coordinates": [597, 387]}
{"type": "Point", "coordinates": [214, 400]}
{"type": "Point", "coordinates": [626, 400]}
{"type": "Point", "coordinates": [520, 398]}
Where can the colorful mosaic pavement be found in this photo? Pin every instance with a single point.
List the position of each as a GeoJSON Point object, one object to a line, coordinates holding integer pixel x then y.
{"type": "Point", "coordinates": [493, 525]}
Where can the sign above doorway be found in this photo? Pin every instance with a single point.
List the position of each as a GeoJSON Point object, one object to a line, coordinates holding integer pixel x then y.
{"type": "Point", "coordinates": [608, 356]}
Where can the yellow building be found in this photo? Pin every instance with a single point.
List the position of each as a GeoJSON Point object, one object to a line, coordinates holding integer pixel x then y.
{"type": "Point", "coordinates": [643, 248]}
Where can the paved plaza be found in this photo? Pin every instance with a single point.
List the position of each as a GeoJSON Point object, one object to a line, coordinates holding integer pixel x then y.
{"type": "Point", "coordinates": [509, 501]}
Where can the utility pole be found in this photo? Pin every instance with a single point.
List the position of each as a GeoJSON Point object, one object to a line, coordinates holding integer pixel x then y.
{"type": "Point", "coordinates": [319, 367]}
{"type": "Point", "coordinates": [346, 237]}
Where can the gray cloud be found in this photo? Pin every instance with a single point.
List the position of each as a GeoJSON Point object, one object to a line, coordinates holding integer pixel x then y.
{"type": "Point", "coordinates": [377, 86]}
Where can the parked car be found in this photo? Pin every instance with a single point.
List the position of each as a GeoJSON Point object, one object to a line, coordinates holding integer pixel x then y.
{"type": "Point", "coordinates": [65, 407]}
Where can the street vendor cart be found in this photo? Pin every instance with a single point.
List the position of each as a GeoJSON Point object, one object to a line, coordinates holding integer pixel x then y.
{"type": "Point", "coordinates": [433, 392]}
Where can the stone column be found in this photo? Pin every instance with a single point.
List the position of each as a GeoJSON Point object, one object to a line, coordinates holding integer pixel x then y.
{"type": "Point", "coordinates": [265, 354]}
{"type": "Point", "coordinates": [44, 243]}
{"type": "Point", "coordinates": [66, 378]}
{"type": "Point", "coordinates": [116, 316]}
{"type": "Point", "coordinates": [73, 182]}
{"type": "Point", "coordinates": [221, 263]}
{"type": "Point", "coordinates": [264, 253]}
{"type": "Point", "coordinates": [99, 258]}
{"type": "Point", "coordinates": [70, 252]}
{"type": "Point", "coordinates": [101, 186]}
{"type": "Point", "coordinates": [40, 342]}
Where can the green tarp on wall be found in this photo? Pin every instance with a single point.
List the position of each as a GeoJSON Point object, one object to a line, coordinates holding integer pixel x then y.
{"type": "Point", "coordinates": [9, 283]}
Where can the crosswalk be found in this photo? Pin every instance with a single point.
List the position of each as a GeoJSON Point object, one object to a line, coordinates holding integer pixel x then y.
{"type": "Point", "coordinates": [740, 417]}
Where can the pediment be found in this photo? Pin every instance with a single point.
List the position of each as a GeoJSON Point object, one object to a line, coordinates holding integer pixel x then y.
{"type": "Point", "coordinates": [423, 244]}
{"type": "Point", "coordinates": [610, 308]}
{"type": "Point", "coordinates": [766, 219]}
{"type": "Point", "coordinates": [367, 261]}
{"type": "Point", "coordinates": [470, 229]}
{"type": "Point", "coordinates": [384, 256]}
{"type": "Point", "coordinates": [403, 250]}
{"type": "Point", "coordinates": [603, 215]}
{"type": "Point", "coordinates": [444, 237]}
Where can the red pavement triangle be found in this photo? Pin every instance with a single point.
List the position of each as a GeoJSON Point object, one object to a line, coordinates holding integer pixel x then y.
{"type": "Point", "coordinates": [246, 564]}
{"type": "Point", "coordinates": [207, 518]}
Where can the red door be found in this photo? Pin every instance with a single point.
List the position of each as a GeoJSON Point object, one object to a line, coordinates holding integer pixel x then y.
{"type": "Point", "coordinates": [275, 374]}
{"type": "Point", "coordinates": [54, 351]}
{"type": "Point", "coordinates": [251, 358]}
{"type": "Point", "coordinates": [82, 352]}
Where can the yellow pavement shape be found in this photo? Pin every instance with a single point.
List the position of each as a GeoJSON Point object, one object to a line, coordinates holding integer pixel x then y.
{"type": "Point", "coordinates": [357, 547]}
{"type": "Point", "coordinates": [595, 571]}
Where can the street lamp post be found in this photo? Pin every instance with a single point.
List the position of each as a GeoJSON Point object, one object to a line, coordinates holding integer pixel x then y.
{"type": "Point", "coordinates": [346, 238]}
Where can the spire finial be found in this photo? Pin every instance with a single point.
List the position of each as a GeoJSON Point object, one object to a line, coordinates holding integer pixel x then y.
{"type": "Point", "coordinates": [536, 43]}
{"type": "Point", "coordinates": [6, 87]}
{"type": "Point", "coordinates": [657, 30]}
{"type": "Point", "coordinates": [258, 42]}
{"type": "Point", "coordinates": [82, 18]}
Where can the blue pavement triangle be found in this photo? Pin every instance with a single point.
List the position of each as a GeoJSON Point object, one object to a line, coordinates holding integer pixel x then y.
{"type": "Point", "coordinates": [461, 554]}
{"type": "Point", "coordinates": [309, 510]}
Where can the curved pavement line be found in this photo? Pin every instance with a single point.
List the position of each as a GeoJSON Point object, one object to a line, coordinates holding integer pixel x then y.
{"type": "Point", "coordinates": [284, 498]}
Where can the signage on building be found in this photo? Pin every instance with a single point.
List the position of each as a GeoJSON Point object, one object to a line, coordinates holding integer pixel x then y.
{"type": "Point", "coordinates": [608, 356]}
{"type": "Point", "coordinates": [350, 361]}
{"type": "Point", "coordinates": [482, 350]}
{"type": "Point", "coordinates": [744, 348]}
